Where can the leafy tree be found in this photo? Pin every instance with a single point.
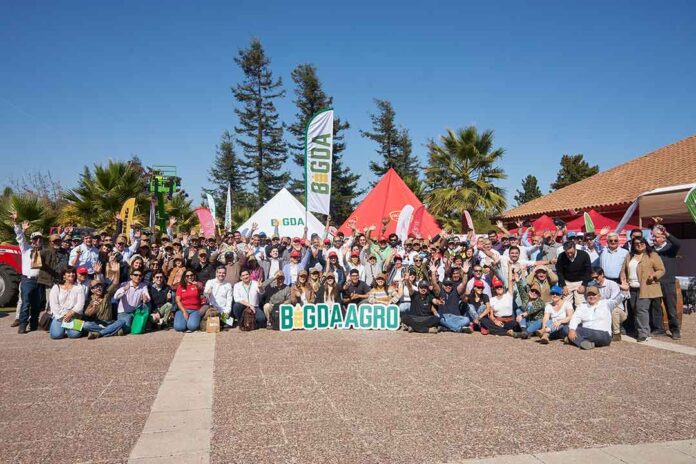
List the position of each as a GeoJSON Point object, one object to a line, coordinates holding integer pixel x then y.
{"type": "Point", "coordinates": [393, 144]}
{"type": "Point", "coordinates": [260, 132]}
{"type": "Point", "coordinates": [29, 207]}
{"type": "Point", "coordinates": [180, 207]}
{"type": "Point", "coordinates": [462, 175]}
{"type": "Point", "coordinates": [310, 99]}
{"type": "Point", "coordinates": [573, 169]}
{"type": "Point", "coordinates": [226, 169]}
{"type": "Point", "coordinates": [530, 190]}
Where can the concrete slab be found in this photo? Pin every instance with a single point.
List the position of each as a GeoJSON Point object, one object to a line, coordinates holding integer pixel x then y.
{"type": "Point", "coordinates": [578, 456]}
{"type": "Point", "coordinates": [649, 454]}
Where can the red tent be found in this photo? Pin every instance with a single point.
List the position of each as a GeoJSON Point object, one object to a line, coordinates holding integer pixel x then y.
{"type": "Point", "coordinates": [388, 198]}
{"type": "Point", "coordinates": [599, 221]}
{"type": "Point", "coordinates": [543, 223]}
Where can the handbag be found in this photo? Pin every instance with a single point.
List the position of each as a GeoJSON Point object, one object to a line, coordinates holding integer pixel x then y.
{"type": "Point", "coordinates": [248, 320]}
{"type": "Point", "coordinates": [140, 316]}
{"type": "Point", "coordinates": [36, 262]}
{"type": "Point", "coordinates": [45, 320]}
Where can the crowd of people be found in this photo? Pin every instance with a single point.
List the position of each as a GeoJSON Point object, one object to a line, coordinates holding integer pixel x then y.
{"type": "Point", "coordinates": [584, 289]}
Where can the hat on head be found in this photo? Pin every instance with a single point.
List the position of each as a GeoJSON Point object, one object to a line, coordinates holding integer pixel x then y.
{"type": "Point", "coordinates": [497, 282]}
{"type": "Point", "coordinates": [95, 283]}
{"type": "Point", "coordinates": [333, 254]}
{"type": "Point", "coordinates": [82, 270]}
{"type": "Point", "coordinates": [302, 272]}
{"type": "Point", "coordinates": [536, 289]}
{"type": "Point", "coordinates": [54, 237]}
{"type": "Point", "coordinates": [478, 283]}
{"type": "Point", "coordinates": [448, 282]}
{"type": "Point", "coordinates": [381, 275]}
{"type": "Point", "coordinates": [541, 268]}
{"type": "Point", "coordinates": [36, 235]}
{"type": "Point", "coordinates": [295, 254]}
{"type": "Point", "coordinates": [262, 234]}
{"type": "Point", "coordinates": [592, 290]}
{"type": "Point", "coordinates": [397, 257]}
{"type": "Point", "coordinates": [556, 290]}
{"type": "Point", "coordinates": [382, 239]}
{"type": "Point", "coordinates": [423, 284]}
{"type": "Point", "coordinates": [571, 234]}
{"type": "Point", "coordinates": [296, 240]}
{"type": "Point", "coordinates": [355, 254]}
{"type": "Point", "coordinates": [327, 241]}
{"type": "Point", "coordinates": [229, 254]}
{"type": "Point", "coordinates": [314, 270]}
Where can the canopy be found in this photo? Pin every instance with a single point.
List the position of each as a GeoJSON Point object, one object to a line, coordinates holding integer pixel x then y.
{"type": "Point", "coordinates": [387, 198]}
{"type": "Point", "coordinates": [290, 214]}
{"type": "Point", "coordinates": [599, 221]}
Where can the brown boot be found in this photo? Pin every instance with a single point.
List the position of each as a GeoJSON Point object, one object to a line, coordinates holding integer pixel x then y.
{"type": "Point", "coordinates": [15, 323]}
{"type": "Point", "coordinates": [616, 337]}
{"type": "Point", "coordinates": [544, 339]}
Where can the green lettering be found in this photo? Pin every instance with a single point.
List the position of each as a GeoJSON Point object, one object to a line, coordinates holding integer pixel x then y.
{"type": "Point", "coordinates": [320, 188]}
{"type": "Point", "coordinates": [351, 317]}
{"type": "Point", "coordinates": [285, 316]}
{"type": "Point", "coordinates": [320, 153]}
{"type": "Point", "coordinates": [319, 166]}
{"type": "Point", "coordinates": [323, 139]}
{"type": "Point", "coordinates": [309, 317]}
{"type": "Point", "coordinates": [336, 317]}
{"type": "Point", "coordinates": [378, 321]}
{"type": "Point", "coordinates": [322, 316]}
{"type": "Point", "coordinates": [365, 316]}
{"type": "Point", "coordinates": [393, 317]}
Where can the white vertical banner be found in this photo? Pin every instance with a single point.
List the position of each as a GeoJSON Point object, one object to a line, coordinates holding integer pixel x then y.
{"type": "Point", "coordinates": [211, 205]}
{"type": "Point", "coordinates": [228, 208]}
{"type": "Point", "coordinates": [318, 160]}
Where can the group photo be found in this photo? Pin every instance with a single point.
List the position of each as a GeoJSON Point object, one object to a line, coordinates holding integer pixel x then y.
{"type": "Point", "coordinates": [229, 236]}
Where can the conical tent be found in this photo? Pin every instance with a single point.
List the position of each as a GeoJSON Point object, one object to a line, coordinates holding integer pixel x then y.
{"type": "Point", "coordinates": [290, 214]}
{"type": "Point", "coordinates": [387, 198]}
{"type": "Point", "coordinates": [599, 221]}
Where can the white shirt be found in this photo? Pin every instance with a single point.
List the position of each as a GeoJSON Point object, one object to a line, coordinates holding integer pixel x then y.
{"type": "Point", "coordinates": [63, 300]}
{"type": "Point", "coordinates": [633, 280]}
{"type": "Point", "coordinates": [562, 312]}
{"type": "Point", "coordinates": [502, 307]}
{"type": "Point", "coordinates": [88, 257]}
{"type": "Point", "coordinates": [609, 290]}
{"type": "Point", "coordinates": [598, 316]}
{"type": "Point", "coordinates": [250, 293]}
{"type": "Point", "coordinates": [26, 253]}
{"type": "Point", "coordinates": [219, 295]}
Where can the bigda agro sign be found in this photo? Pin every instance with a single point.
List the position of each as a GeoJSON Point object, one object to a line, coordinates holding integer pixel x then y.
{"type": "Point", "coordinates": [325, 316]}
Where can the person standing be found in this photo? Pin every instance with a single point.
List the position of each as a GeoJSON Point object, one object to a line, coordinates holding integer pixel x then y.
{"type": "Point", "coordinates": [642, 269]}
{"type": "Point", "coordinates": [667, 247]}
{"type": "Point", "coordinates": [31, 292]}
{"type": "Point", "coordinates": [574, 269]}
{"type": "Point", "coordinates": [612, 257]}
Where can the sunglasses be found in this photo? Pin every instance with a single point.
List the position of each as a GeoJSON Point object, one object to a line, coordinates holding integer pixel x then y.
{"type": "Point", "coordinates": [136, 275]}
{"type": "Point", "coordinates": [330, 278]}
{"type": "Point", "coordinates": [159, 277]}
{"type": "Point", "coordinates": [478, 270]}
{"type": "Point", "coordinates": [189, 275]}
{"type": "Point", "coordinates": [612, 241]}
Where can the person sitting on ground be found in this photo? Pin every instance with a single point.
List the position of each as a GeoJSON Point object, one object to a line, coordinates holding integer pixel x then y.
{"type": "Point", "coordinates": [275, 292]}
{"type": "Point", "coordinates": [161, 297]}
{"type": "Point", "coordinates": [219, 292]}
{"type": "Point", "coordinates": [423, 316]}
{"type": "Point", "coordinates": [501, 319]}
{"type": "Point", "coordinates": [590, 325]}
{"type": "Point", "coordinates": [379, 293]}
{"type": "Point", "coordinates": [246, 298]}
{"type": "Point", "coordinates": [330, 290]}
{"type": "Point", "coordinates": [354, 290]}
{"type": "Point", "coordinates": [557, 315]}
{"type": "Point", "coordinates": [188, 302]}
{"type": "Point", "coordinates": [301, 292]}
{"type": "Point", "coordinates": [449, 308]}
{"type": "Point", "coordinates": [478, 305]}
{"type": "Point", "coordinates": [608, 289]}
{"type": "Point", "coordinates": [131, 296]}
{"type": "Point", "coordinates": [67, 301]}
{"type": "Point", "coordinates": [530, 315]}
{"type": "Point", "coordinates": [98, 314]}
{"type": "Point", "coordinates": [406, 288]}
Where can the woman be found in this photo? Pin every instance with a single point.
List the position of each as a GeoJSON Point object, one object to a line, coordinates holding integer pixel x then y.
{"type": "Point", "coordinates": [397, 272]}
{"type": "Point", "coordinates": [301, 293]}
{"type": "Point", "coordinates": [501, 320]}
{"type": "Point", "coordinates": [353, 262]}
{"type": "Point", "coordinates": [176, 273]}
{"type": "Point", "coordinates": [188, 302]}
{"type": "Point", "coordinates": [407, 288]}
{"type": "Point", "coordinates": [255, 271]}
{"type": "Point", "coordinates": [329, 290]}
{"type": "Point", "coordinates": [557, 315]}
{"type": "Point", "coordinates": [335, 268]}
{"type": "Point", "coordinates": [137, 263]}
{"type": "Point", "coordinates": [642, 269]}
{"type": "Point", "coordinates": [479, 304]}
{"type": "Point", "coordinates": [67, 301]}
{"type": "Point", "coordinates": [379, 293]}
{"type": "Point", "coordinates": [314, 281]}
{"type": "Point", "coordinates": [98, 314]}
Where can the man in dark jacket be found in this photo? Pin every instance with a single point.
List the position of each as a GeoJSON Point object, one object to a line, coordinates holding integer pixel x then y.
{"type": "Point", "coordinates": [574, 269]}
{"type": "Point", "coordinates": [667, 246]}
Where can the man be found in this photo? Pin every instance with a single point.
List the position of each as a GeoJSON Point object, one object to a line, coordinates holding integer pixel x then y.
{"type": "Point", "coordinates": [667, 246]}
{"type": "Point", "coordinates": [372, 268]}
{"type": "Point", "coordinates": [53, 261]}
{"type": "Point", "coordinates": [85, 255]}
{"type": "Point", "coordinates": [574, 269]}
{"type": "Point", "coordinates": [234, 263]}
{"type": "Point", "coordinates": [543, 278]}
{"type": "Point", "coordinates": [31, 292]}
{"type": "Point", "coordinates": [272, 264]}
{"type": "Point", "coordinates": [130, 297]}
{"type": "Point", "coordinates": [275, 292]}
{"type": "Point", "coordinates": [478, 277]}
{"type": "Point", "coordinates": [246, 298]}
{"type": "Point", "coordinates": [161, 297]}
{"type": "Point", "coordinates": [423, 316]}
{"type": "Point", "coordinates": [590, 325]}
{"type": "Point", "coordinates": [612, 257]}
{"type": "Point", "coordinates": [449, 299]}
{"type": "Point", "coordinates": [496, 244]}
{"type": "Point", "coordinates": [354, 290]}
{"type": "Point", "coordinates": [608, 290]}
{"type": "Point", "coordinates": [294, 266]}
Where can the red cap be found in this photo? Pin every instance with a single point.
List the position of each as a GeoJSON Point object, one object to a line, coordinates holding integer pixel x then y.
{"type": "Point", "coordinates": [333, 254]}
{"type": "Point", "coordinates": [327, 241]}
{"type": "Point", "coordinates": [411, 236]}
{"type": "Point", "coordinates": [295, 254]}
{"type": "Point", "coordinates": [479, 283]}
{"type": "Point", "coordinates": [355, 253]}
{"type": "Point", "coordinates": [497, 282]}
{"type": "Point", "coordinates": [303, 242]}
{"type": "Point", "coordinates": [383, 238]}
{"type": "Point", "coordinates": [82, 270]}
{"type": "Point", "coordinates": [397, 257]}
{"type": "Point", "coordinates": [296, 240]}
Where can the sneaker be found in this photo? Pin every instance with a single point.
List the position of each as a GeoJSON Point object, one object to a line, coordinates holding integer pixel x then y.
{"type": "Point", "coordinates": [642, 339]}
{"type": "Point", "coordinates": [539, 333]}
{"type": "Point", "coordinates": [586, 345]}
{"type": "Point", "coordinates": [484, 331]}
{"type": "Point", "coordinates": [544, 339]}
{"type": "Point", "coordinates": [471, 327]}
{"type": "Point", "coordinates": [566, 341]}
{"type": "Point", "coordinates": [616, 337]}
{"type": "Point", "coordinates": [512, 334]}
{"type": "Point", "coordinates": [676, 335]}
{"type": "Point", "coordinates": [15, 323]}
{"type": "Point", "coordinates": [433, 330]}
{"type": "Point", "coordinates": [658, 333]}
{"type": "Point", "coordinates": [409, 328]}
{"type": "Point", "coordinates": [524, 335]}
{"type": "Point", "coordinates": [22, 329]}
{"type": "Point", "coordinates": [93, 335]}
{"type": "Point", "coordinates": [120, 333]}
{"type": "Point", "coordinates": [466, 329]}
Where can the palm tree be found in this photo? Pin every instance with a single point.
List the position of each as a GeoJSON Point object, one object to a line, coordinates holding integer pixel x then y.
{"type": "Point", "coordinates": [100, 194]}
{"type": "Point", "coordinates": [181, 209]}
{"type": "Point", "coordinates": [461, 175]}
{"type": "Point", "coordinates": [29, 208]}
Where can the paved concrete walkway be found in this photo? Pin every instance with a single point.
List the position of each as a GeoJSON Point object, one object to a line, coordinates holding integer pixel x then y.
{"type": "Point", "coordinates": [667, 452]}
{"type": "Point", "coordinates": [663, 345]}
{"type": "Point", "coordinates": [178, 429]}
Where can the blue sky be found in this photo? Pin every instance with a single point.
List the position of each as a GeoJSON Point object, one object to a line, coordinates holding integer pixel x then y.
{"type": "Point", "coordinates": [82, 82]}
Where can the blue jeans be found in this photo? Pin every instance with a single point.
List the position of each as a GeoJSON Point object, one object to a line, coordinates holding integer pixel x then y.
{"type": "Point", "coordinates": [105, 328]}
{"type": "Point", "coordinates": [238, 309]}
{"type": "Point", "coordinates": [474, 313]}
{"type": "Point", "coordinates": [531, 326]}
{"type": "Point", "coordinates": [57, 331]}
{"type": "Point", "coordinates": [453, 322]}
{"type": "Point", "coordinates": [404, 307]}
{"type": "Point", "coordinates": [599, 337]}
{"type": "Point", "coordinates": [127, 320]}
{"type": "Point", "coordinates": [32, 295]}
{"type": "Point", "coordinates": [181, 324]}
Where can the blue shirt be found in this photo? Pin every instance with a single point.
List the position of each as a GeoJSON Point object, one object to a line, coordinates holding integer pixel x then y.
{"type": "Point", "coordinates": [611, 261]}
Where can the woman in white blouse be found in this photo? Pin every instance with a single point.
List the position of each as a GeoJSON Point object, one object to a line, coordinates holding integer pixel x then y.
{"type": "Point", "coordinates": [67, 301]}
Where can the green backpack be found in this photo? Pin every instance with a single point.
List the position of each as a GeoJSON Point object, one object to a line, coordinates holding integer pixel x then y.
{"type": "Point", "coordinates": [139, 320]}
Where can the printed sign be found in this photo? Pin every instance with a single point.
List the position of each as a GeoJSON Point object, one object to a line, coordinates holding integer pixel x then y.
{"type": "Point", "coordinates": [330, 316]}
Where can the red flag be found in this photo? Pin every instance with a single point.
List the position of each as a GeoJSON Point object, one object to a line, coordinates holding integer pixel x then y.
{"type": "Point", "coordinates": [416, 221]}
{"type": "Point", "coordinates": [205, 217]}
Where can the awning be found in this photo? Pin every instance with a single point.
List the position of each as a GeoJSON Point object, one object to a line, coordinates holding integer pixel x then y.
{"type": "Point", "coordinates": [667, 203]}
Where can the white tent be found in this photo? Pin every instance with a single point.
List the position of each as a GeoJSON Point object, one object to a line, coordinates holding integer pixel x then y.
{"type": "Point", "coordinates": [290, 215]}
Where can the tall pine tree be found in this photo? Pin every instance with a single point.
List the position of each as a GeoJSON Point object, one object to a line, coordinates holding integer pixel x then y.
{"type": "Point", "coordinates": [227, 168]}
{"type": "Point", "coordinates": [574, 168]}
{"type": "Point", "coordinates": [530, 190]}
{"type": "Point", "coordinates": [310, 99]}
{"type": "Point", "coordinates": [393, 144]}
{"type": "Point", "coordinates": [260, 132]}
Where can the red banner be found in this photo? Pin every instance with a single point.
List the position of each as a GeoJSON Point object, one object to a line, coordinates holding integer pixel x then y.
{"type": "Point", "coordinates": [205, 218]}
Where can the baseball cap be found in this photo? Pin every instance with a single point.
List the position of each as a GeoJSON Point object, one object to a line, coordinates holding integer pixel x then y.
{"type": "Point", "coordinates": [295, 254]}
{"type": "Point", "coordinates": [571, 234]}
{"type": "Point", "coordinates": [382, 239]}
{"type": "Point", "coordinates": [592, 290]}
{"type": "Point", "coordinates": [355, 253]}
{"type": "Point", "coordinates": [36, 235]}
{"type": "Point", "coordinates": [327, 241]}
{"type": "Point", "coordinates": [333, 254]}
{"type": "Point", "coordinates": [479, 283]}
{"type": "Point", "coordinates": [423, 284]}
{"type": "Point", "coordinates": [497, 282]}
{"type": "Point", "coordinates": [54, 237]}
{"type": "Point", "coordinates": [82, 270]}
{"type": "Point", "coordinates": [556, 290]}
{"type": "Point", "coordinates": [381, 276]}
{"type": "Point", "coordinates": [448, 282]}
{"type": "Point", "coordinates": [398, 257]}
{"type": "Point", "coordinates": [296, 240]}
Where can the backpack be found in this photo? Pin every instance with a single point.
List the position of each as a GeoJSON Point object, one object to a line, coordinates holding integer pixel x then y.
{"type": "Point", "coordinates": [275, 319]}
{"type": "Point", "coordinates": [248, 320]}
